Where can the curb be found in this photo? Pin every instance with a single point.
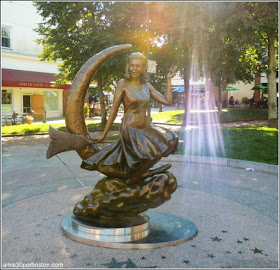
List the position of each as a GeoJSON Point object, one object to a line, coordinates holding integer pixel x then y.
{"type": "Point", "coordinates": [24, 134]}
{"type": "Point", "coordinates": [243, 120]}
{"type": "Point", "coordinates": [235, 163]}
{"type": "Point", "coordinates": [225, 121]}
{"type": "Point", "coordinates": [167, 124]}
{"type": "Point", "coordinates": [40, 133]}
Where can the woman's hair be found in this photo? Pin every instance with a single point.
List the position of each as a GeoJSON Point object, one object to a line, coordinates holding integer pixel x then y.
{"type": "Point", "coordinates": [140, 56]}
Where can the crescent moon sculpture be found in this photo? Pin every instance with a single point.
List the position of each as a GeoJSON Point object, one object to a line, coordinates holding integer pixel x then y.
{"type": "Point", "coordinates": [78, 137]}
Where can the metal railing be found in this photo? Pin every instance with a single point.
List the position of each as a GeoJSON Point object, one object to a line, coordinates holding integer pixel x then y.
{"type": "Point", "coordinates": [13, 117]}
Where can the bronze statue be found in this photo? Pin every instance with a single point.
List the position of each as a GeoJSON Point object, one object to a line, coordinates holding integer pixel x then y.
{"type": "Point", "coordinates": [132, 184]}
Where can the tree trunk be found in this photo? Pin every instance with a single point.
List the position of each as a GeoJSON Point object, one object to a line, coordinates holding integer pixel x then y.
{"type": "Point", "coordinates": [160, 107]}
{"type": "Point", "coordinates": [271, 77]}
{"type": "Point", "coordinates": [220, 105]}
{"type": "Point", "coordinates": [101, 100]}
{"type": "Point", "coordinates": [186, 97]}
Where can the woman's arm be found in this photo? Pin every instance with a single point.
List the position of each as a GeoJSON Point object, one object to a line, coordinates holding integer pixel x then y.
{"type": "Point", "coordinates": [157, 96]}
{"type": "Point", "coordinates": [118, 97]}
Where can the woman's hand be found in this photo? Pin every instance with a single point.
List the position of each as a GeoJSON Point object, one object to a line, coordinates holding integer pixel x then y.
{"type": "Point", "coordinates": [100, 139]}
{"type": "Point", "coordinates": [172, 72]}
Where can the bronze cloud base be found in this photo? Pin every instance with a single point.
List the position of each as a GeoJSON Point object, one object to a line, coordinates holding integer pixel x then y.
{"type": "Point", "coordinates": [114, 202]}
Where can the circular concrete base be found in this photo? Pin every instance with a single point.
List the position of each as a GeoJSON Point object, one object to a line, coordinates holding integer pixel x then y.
{"type": "Point", "coordinates": [163, 230]}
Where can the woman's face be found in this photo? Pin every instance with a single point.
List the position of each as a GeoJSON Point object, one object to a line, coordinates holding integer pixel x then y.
{"type": "Point", "coordinates": [136, 68]}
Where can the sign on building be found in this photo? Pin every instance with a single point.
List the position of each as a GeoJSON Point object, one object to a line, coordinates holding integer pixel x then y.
{"type": "Point", "coordinates": [152, 66]}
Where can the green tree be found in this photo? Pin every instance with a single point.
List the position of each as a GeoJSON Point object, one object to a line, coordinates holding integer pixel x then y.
{"type": "Point", "coordinates": [222, 41]}
{"type": "Point", "coordinates": [201, 40]}
{"type": "Point", "coordinates": [240, 36]}
{"type": "Point", "coordinates": [230, 57]}
{"type": "Point", "coordinates": [261, 20]}
{"type": "Point", "coordinates": [74, 31]}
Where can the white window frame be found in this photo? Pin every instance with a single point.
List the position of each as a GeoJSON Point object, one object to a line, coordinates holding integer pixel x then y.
{"type": "Point", "coordinates": [8, 29]}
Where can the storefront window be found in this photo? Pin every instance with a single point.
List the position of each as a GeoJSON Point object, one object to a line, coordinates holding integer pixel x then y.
{"type": "Point", "coordinates": [6, 101]}
{"type": "Point", "coordinates": [51, 100]}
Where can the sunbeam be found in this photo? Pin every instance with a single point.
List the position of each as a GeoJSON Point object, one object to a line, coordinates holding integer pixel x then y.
{"type": "Point", "coordinates": [206, 138]}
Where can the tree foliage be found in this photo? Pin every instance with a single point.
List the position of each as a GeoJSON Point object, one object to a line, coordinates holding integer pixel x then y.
{"type": "Point", "coordinates": [75, 31]}
{"type": "Point", "coordinates": [262, 22]}
{"type": "Point", "coordinates": [223, 41]}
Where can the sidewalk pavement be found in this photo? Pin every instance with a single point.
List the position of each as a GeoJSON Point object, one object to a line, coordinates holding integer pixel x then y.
{"type": "Point", "coordinates": [235, 211]}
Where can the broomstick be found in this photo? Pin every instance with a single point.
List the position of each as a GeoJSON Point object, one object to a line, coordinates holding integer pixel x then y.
{"type": "Point", "coordinates": [63, 141]}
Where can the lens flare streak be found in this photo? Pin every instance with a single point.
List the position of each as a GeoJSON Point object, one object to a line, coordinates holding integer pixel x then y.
{"type": "Point", "coordinates": [202, 135]}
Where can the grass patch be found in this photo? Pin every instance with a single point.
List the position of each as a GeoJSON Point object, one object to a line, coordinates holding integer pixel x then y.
{"type": "Point", "coordinates": [36, 128]}
{"type": "Point", "coordinates": [176, 117]}
{"type": "Point", "coordinates": [255, 143]}
{"type": "Point", "coordinates": [30, 129]}
{"type": "Point", "coordinates": [243, 114]}
{"type": "Point", "coordinates": [259, 144]}
{"type": "Point", "coordinates": [112, 138]}
{"type": "Point", "coordinates": [96, 126]}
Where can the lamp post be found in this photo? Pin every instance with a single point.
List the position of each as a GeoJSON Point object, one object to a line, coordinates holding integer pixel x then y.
{"type": "Point", "coordinates": [45, 116]}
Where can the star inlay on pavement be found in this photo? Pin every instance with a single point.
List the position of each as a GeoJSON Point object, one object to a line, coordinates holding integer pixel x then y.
{"type": "Point", "coordinates": [114, 264]}
{"type": "Point", "coordinates": [256, 250]}
{"type": "Point", "coordinates": [216, 239]}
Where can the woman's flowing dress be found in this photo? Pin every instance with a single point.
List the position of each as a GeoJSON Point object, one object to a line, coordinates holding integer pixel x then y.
{"type": "Point", "coordinates": [140, 140]}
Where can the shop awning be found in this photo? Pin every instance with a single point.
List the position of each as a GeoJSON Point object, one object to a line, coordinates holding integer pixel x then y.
{"type": "Point", "coordinates": [179, 89]}
{"type": "Point", "coordinates": [22, 78]}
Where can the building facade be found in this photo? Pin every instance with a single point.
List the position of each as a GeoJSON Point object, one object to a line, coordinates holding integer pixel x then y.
{"type": "Point", "coordinates": [27, 82]}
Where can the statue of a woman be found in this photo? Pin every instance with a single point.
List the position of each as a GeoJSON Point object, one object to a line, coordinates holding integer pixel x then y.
{"type": "Point", "coordinates": [132, 184]}
{"type": "Point", "coordinates": [142, 144]}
